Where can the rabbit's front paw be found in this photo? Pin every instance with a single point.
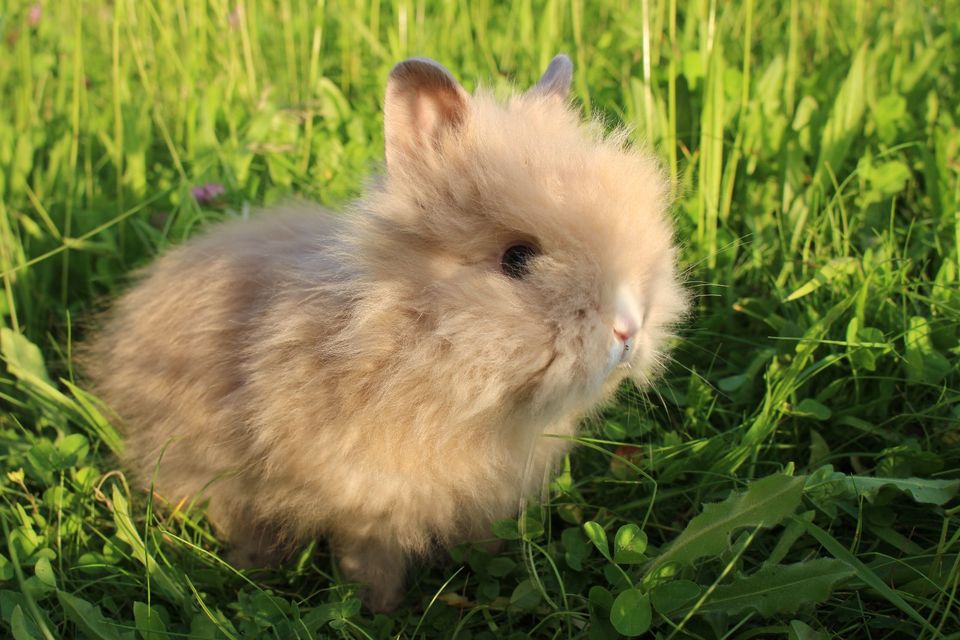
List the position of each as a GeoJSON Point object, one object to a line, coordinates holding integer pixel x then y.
{"type": "Point", "coordinates": [381, 599]}
{"type": "Point", "coordinates": [380, 568]}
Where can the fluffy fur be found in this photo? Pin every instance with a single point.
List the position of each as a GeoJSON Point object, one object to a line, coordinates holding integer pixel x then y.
{"type": "Point", "coordinates": [374, 377]}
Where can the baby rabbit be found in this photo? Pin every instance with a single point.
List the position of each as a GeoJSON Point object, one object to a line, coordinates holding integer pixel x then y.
{"type": "Point", "coordinates": [390, 378]}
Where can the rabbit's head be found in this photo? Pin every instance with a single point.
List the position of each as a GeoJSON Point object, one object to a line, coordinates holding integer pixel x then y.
{"type": "Point", "coordinates": [534, 246]}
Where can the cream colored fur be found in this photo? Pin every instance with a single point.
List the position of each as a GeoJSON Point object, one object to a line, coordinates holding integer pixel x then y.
{"type": "Point", "coordinates": [374, 377]}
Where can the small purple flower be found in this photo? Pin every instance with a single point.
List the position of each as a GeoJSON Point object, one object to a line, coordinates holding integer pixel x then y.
{"type": "Point", "coordinates": [207, 193]}
{"type": "Point", "coordinates": [34, 14]}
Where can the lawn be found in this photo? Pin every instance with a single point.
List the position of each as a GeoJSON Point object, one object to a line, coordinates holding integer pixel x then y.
{"type": "Point", "coordinates": [795, 472]}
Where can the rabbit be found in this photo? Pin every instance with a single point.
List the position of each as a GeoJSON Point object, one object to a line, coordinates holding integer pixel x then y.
{"type": "Point", "coordinates": [397, 377]}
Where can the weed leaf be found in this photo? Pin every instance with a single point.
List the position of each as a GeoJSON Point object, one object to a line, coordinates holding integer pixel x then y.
{"type": "Point", "coordinates": [631, 613]}
{"type": "Point", "coordinates": [629, 545]}
{"type": "Point", "coordinates": [506, 529]}
{"type": "Point", "coordinates": [575, 548]}
{"type": "Point", "coordinates": [86, 406]}
{"type": "Point", "coordinates": [44, 572]}
{"type": "Point", "coordinates": [149, 624]}
{"type": "Point", "coordinates": [923, 362]}
{"type": "Point", "coordinates": [923, 490]}
{"type": "Point", "coordinates": [810, 408]}
{"type": "Point", "coordinates": [24, 359]}
{"type": "Point", "coordinates": [6, 568]}
{"type": "Point", "coordinates": [600, 602]}
{"type": "Point", "coordinates": [802, 631]}
{"type": "Point", "coordinates": [779, 588]}
{"type": "Point", "coordinates": [827, 484]}
{"type": "Point", "coordinates": [674, 595]}
{"type": "Point", "coordinates": [525, 596]}
{"type": "Point", "coordinates": [22, 627]}
{"type": "Point", "coordinates": [765, 503]}
{"type": "Point", "coordinates": [826, 274]}
{"type": "Point", "coordinates": [598, 537]}
{"type": "Point", "coordinates": [88, 618]}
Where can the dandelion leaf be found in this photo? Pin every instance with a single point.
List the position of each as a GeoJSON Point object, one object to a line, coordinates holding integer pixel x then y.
{"type": "Point", "coordinates": [779, 589]}
{"type": "Point", "coordinates": [765, 503]}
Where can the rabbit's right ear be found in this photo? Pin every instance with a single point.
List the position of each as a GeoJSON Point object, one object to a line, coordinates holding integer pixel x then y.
{"type": "Point", "coordinates": [556, 79]}
{"type": "Point", "coordinates": [423, 102]}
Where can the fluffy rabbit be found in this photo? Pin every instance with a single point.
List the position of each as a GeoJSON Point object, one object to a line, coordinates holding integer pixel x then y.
{"type": "Point", "coordinates": [390, 378]}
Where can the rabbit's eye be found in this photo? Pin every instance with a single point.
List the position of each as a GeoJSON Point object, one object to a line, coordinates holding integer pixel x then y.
{"type": "Point", "coordinates": [515, 260]}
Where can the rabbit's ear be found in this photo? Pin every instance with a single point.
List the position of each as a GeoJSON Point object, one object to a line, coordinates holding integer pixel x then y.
{"type": "Point", "coordinates": [556, 79]}
{"type": "Point", "coordinates": [423, 100]}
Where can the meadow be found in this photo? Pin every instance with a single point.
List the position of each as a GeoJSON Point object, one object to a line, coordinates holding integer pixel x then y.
{"type": "Point", "coordinates": [793, 475]}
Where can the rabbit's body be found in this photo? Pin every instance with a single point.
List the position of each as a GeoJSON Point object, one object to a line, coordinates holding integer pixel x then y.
{"type": "Point", "coordinates": [391, 378]}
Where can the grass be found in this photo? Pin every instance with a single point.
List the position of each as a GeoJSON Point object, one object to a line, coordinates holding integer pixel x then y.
{"type": "Point", "coordinates": [813, 149]}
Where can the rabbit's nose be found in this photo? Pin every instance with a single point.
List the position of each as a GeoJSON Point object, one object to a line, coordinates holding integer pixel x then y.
{"type": "Point", "coordinates": [623, 334]}
{"type": "Point", "coordinates": [626, 319]}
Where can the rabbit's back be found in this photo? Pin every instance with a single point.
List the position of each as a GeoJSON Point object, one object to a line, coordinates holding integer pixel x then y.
{"type": "Point", "coordinates": [173, 358]}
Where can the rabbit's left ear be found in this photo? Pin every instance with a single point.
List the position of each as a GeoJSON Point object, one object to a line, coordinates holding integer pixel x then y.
{"type": "Point", "coordinates": [556, 79]}
{"type": "Point", "coordinates": [423, 102]}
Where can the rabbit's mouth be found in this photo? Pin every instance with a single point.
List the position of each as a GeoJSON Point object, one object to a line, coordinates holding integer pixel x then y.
{"type": "Point", "coordinates": [620, 354]}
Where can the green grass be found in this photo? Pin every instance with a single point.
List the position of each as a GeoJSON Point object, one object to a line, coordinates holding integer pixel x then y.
{"type": "Point", "coordinates": [815, 156]}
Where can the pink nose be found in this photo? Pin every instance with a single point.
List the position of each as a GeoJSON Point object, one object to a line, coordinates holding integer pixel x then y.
{"type": "Point", "coordinates": [624, 327]}
{"type": "Point", "coordinates": [627, 319]}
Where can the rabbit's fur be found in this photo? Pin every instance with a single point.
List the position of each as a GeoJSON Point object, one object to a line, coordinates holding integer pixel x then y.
{"type": "Point", "coordinates": [376, 377]}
